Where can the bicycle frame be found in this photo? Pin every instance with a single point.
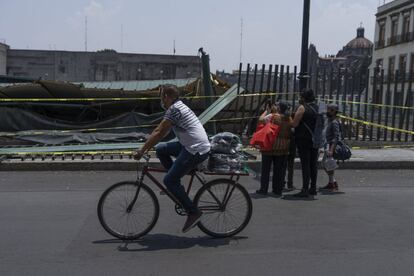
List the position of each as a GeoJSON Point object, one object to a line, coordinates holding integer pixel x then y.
{"type": "Point", "coordinates": [146, 171]}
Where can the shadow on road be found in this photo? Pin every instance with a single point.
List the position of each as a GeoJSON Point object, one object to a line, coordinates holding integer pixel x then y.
{"type": "Point", "coordinates": [293, 198]}
{"type": "Point", "coordinates": [331, 193]}
{"type": "Point", "coordinates": [158, 242]}
{"type": "Point", "coordinates": [257, 196]}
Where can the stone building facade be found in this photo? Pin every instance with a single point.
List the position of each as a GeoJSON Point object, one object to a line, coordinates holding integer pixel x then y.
{"type": "Point", "coordinates": [394, 36]}
{"type": "Point", "coordinates": [394, 48]}
{"type": "Point", "coordinates": [105, 65]}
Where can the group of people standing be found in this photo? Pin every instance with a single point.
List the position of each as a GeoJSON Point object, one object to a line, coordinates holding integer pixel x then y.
{"type": "Point", "coordinates": [192, 146]}
{"type": "Point", "coordinates": [296, 133]}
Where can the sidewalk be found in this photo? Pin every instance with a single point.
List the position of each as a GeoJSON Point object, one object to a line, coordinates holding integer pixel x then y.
{"type": "Point", "coordinates": [376, 159]}
{"type": "Point", "coordinates": [392, 158]}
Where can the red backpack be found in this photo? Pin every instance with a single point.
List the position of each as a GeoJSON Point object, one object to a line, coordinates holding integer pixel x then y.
{"type": "Point", "coordinates": [265, 137]}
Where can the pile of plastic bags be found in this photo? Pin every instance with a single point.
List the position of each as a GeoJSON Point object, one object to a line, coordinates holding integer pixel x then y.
{"type": "Point", "coordinates": [226, 153]}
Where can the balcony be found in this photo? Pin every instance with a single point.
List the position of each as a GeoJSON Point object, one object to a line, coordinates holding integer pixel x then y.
{"type": "Point", "coordinates": [380, 44]}
{"type": "Point", "coordinates": [406, 77]}
{"type": "Point", "coordinates": [407, 37]}
{"type": "Point", "coordinates": [394, 40]}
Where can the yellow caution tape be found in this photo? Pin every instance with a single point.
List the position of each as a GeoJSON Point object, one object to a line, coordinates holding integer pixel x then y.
{"type": "Point", "coordinates": [376, 125]}
{"type": "Point", "coordinates": [368, 104]}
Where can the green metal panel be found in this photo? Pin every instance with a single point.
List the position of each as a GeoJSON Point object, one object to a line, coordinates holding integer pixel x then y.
{"type": "Point", "coordinates": [219, 104]}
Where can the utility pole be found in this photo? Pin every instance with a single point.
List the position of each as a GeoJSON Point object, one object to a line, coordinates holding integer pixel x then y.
{"type": "Point", "coordinates": [86, 33]}
{"type": "Point", "coordinates": [303, 75]}
{"type": "Point", "coordinates": [241, 39]}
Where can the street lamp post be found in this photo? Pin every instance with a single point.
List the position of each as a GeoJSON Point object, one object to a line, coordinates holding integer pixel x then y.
{"type": "Point", "coordinates": [303, 75]}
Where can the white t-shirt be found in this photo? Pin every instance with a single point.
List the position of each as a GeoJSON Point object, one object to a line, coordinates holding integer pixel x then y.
{"type": "Point", "coordinates": [188, 128]}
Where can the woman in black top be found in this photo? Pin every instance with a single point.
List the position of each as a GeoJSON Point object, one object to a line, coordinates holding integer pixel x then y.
{"type": "Point", "coordinates": [304, 123]}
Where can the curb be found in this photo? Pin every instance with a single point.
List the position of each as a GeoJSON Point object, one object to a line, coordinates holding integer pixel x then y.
{"type": "Point", "coordinates": [128, 165]}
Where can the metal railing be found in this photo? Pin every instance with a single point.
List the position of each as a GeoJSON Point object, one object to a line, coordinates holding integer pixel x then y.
{"type": "Point", "coordinates": [380, 44]}
{"type": "Point", "coordinates": [395, 40]}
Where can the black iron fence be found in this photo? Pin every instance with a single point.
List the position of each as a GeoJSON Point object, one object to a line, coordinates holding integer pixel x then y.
{"type": "Point", "coordinates": [261, 84]}
{"type": "Point", "coordinates": [375, 105]}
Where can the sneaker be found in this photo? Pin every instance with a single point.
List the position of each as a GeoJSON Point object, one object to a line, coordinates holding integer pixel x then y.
{"type": "Point", "coordinates": [289, 189]}
{"type": "Point", "coordinates": [260, 192]}
{"type": "Point", "coordinates": [192, 220]}
{"type": "Point", "coordinates": [277, 194]}
{"type": "Point", "coordinates": [301, 194]}
{"type": "Point", "coordinates": [329, 187]}
{"type": "Point", "coordinates": [336, 188]}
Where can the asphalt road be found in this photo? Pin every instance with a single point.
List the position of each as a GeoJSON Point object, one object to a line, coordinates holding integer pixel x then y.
{"type": "Point", "coordinates": [49, 226]}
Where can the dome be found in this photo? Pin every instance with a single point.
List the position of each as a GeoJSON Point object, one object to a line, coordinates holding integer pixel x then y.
{"type": "Point", "coordinates": [360, 41]}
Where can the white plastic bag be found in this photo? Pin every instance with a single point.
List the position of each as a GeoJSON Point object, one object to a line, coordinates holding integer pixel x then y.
{"type": "Point", "coordinates": [330, 164]}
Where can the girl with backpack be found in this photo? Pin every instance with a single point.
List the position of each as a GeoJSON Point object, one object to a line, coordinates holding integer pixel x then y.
{"type": "Point", "coordinates": [333, 136]}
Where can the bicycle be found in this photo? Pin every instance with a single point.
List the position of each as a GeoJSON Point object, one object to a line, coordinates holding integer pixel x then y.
{"type": "Point", "coordinates": [129, 210]}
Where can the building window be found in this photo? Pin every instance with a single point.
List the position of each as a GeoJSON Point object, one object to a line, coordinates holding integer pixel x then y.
{"type": "Point", "coordinates": [62, 69]}
{"type": "Point", "coordinates": [379, 63]}
{"type": "Point", "coordinates": [391, 67]}
{"type": "Point", "coordinates": [403, 64]}
{"type": "Point", "coordinates": [394, 31]}
{"type": "Point", "coordinates": [406, 28]}
{"type": "Point", "coordinates": [381, 35]}
{"type": "Point", "coordinates": [412, 64]}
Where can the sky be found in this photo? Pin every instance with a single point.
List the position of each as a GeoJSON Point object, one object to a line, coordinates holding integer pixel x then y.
{"type": "Point", "coordinates": [271, 28]}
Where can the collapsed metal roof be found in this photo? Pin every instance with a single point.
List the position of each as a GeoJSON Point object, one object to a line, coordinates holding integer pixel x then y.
{"type": "Point", "coordinates": [139, 85]}
{"type": "Point", "coordinates": [135, 85]}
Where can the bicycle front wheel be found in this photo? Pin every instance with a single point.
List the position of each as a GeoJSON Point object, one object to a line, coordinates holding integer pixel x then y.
{"type": "Point", "coordinates": [122, 223]}
{"type": "Point", "coordinates": [226, 207]}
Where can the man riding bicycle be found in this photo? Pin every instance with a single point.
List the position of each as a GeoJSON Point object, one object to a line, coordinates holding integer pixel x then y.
{"type": "Point", "coordinates": [192, 148]}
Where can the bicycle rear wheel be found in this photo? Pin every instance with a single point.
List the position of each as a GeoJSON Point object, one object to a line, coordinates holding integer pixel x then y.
{"type": "Point", "coordinates": [114, 216]}
{"type": "Point", "coordinates": [226, 207]}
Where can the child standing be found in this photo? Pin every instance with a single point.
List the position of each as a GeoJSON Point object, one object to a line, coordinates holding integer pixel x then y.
{"type": "Point", "coordinates": [333, 135]}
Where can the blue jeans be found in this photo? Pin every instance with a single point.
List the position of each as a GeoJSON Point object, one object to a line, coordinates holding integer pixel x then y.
{"type": "Point", "coordinates": [184, 163]}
